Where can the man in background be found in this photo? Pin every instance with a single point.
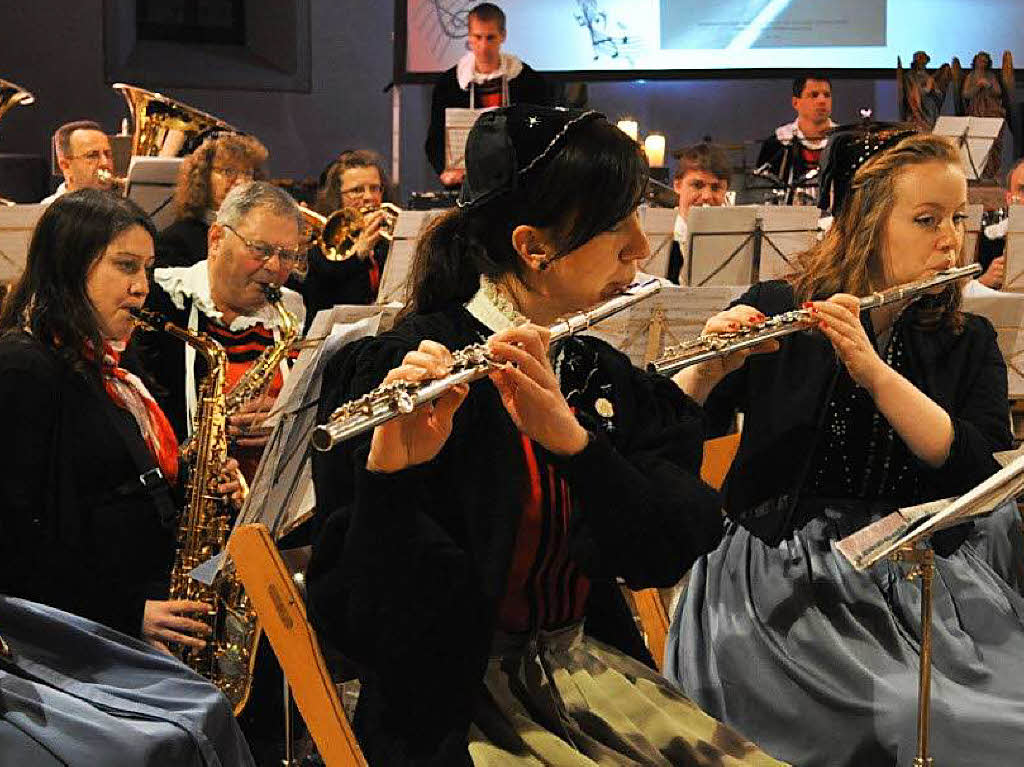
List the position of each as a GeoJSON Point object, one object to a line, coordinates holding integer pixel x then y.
{"type": "Point", "coordinates": [701, 178]}
{"type": "Point", "coordinates": [484, 77]}
{"type": "Point", "coordinates": [82, 150]}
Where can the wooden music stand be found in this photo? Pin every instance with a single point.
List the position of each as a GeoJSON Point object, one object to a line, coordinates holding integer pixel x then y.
{"type": "Point", "coordinates": [282, 612]}
{"type": "Point", "coordinates": [648, 603]}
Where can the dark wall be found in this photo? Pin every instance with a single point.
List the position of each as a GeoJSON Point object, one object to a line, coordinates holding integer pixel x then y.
{"type": "Point", "coordinates": [54, 48]}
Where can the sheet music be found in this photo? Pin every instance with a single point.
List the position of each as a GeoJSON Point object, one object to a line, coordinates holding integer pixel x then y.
{"type": "Point", "coordinates": [1006, 313]}
{"type": "Point", "coordinates": [1014, 267]}
{"type": "Point", "coordinates": [396, 272]}
{"type": "Point", "coordinates": [721, 248]}
{"type": "Point", "coordinates": [788, 230]}
{"type": "Point", "coordinates": [457, 124]}
{"type": "Point", "coordinates": [659, 226]}
{"type": "Point", "coordinates": [680, 311]}
{"type": "Point", "coordinates": [17, 222]}
{"type": "Point", "coordinates": [975, 137]}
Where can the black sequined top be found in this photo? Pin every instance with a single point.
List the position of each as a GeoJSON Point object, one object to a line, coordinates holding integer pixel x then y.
{"type": "Point", "coordinates": [860, 456]}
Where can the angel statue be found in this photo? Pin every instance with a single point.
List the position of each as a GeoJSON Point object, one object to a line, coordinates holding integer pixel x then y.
{"type": "Point", "coordinates": [921, 93]}
{"type": "Point", "coordinates": [984, 92]}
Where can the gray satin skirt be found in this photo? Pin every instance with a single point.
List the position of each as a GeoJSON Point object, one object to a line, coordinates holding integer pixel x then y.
{"type": "Point", "coordinates": [818, 663]}
{"type": "Point", "coordinates": [563, 699]}
{"type": "Point", "coordinates": [73, 692]}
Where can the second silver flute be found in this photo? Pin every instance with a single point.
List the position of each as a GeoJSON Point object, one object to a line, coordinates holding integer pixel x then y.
{"type": "Point", "coordinates": [396, 398]}
{"type": "Point", "coordinates": [708, 346]}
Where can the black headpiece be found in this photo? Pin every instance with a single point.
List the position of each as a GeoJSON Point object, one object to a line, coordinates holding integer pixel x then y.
{"type": "Point", "coordinates": [507, 143]}
{"type": "Point", "coordinates": [848, 148]}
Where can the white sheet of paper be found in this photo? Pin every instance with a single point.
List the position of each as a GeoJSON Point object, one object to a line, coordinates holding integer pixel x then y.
{"type": "Point", "coordinates": [1006, 313]}
{"type": "Point", "coordinates": [458, 121]}
{"type": "Point", "coordinates": [17, 222]}
{"type": "Point", "coordinates": [683, 312]}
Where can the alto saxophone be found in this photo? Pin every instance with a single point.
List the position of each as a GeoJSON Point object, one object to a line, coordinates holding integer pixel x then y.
{"type": "Point", "coordinates": [259, 375]}
{"type": "Point", "coordinates": [229, 655]}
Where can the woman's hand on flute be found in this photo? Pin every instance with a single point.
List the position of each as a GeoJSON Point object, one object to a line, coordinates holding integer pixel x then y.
{"type": "Point", "coordinates": [698, 381]}
{"type": "Point", "coordinates": [418, 436]}
{"type": "Point", "coordinates": [838, 319]}
{"type": "Point", "coordinates": [530, 392]}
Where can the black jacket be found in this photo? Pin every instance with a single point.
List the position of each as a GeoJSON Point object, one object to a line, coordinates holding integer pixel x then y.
{"type": "Point", "coordinates": [183, 243]}
{"type": "Point", "coordinates": [329, 283]}
{"type": "Point", "coordinates": [526, 88]}
{"type": "Point", "coordinates": [409, 569]}
{"type": "Point", "coordinates": [782, 397]}
{"type": "Point", "coordinates": [65, 539]}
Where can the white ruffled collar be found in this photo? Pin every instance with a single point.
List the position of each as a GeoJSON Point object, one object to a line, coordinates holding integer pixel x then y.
{"type": "Point", "coordinates": [492, 308]}
{"type": "Point", "coordinates": [182, 283]}
{"type": "Point", "coordinates": [465, 71]}
{"type": "Point", "coordinates": [786, 133]}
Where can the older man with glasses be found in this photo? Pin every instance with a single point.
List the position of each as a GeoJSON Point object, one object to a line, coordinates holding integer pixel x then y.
{"type": "Point", "coordinates": [255, 241]}
{"type": "Point", "coordinates": [82, 150]}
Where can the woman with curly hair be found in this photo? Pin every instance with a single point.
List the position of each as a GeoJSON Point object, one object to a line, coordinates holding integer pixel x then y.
{"type": "Point", "coordinates": [207, 175]}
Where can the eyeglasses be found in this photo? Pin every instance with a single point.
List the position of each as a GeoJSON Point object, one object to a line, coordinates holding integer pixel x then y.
{"type": "Point", "coordinates": [94, 156]}
{"type": "Point", "coordinates": [364, 189]}
{"type": "Point", "coordinates": [264, 251]}
{"type": "Point", "coordinates": [232, 173]}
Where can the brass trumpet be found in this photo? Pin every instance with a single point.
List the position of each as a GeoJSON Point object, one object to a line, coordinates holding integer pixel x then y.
{"type": "Point", "coordinates": [337, 233]}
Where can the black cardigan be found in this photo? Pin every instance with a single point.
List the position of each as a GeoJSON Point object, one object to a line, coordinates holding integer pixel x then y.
{"type": "Point", "coordinates": [65, 539]}
{"type": "Point", "coordinates": [408, 571]}
{"type": "Point", "coordinates": [781, 396]}
{"type": "Point", "coordinates": [183, 243]}
{"type": "Point", "coordinates": [330, 283]}
{"type": "Point", "coordinates": [527, 87]}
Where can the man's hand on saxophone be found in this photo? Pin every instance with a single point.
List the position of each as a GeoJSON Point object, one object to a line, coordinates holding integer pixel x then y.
{"type": "Point", "coordinates": [245, 428]}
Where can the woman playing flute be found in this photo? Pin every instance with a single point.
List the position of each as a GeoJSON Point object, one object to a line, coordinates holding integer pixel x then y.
{"type": "Point", "coordinates": [776, 634]}
{"type": "Point", "coordinates": [468, 564]}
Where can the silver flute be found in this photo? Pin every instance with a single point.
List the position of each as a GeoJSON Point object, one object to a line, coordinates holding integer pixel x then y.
{"type": "Point", "coordinates": [390, 400]}
{"type": "Point", "coordinates": [708, 346]}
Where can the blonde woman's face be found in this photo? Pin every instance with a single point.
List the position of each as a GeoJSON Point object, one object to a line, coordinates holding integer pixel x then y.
{"type": "Point", "coordinates": [925, 230]}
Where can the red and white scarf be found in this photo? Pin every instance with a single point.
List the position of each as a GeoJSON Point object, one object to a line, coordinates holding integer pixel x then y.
{"type": "Point", "coordinates": [129, 393]}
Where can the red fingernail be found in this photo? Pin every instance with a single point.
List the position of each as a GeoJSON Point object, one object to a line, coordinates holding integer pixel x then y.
{"type": "Point", "coordinates": [806, 305]}
{"type": "Point", "coordinates": [824, 325]}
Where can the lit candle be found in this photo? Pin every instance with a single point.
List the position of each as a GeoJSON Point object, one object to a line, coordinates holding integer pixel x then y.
{"type": "Point", "coordinates": [654, 147]}
{"type": "Point", "coordinates": [630, 128]}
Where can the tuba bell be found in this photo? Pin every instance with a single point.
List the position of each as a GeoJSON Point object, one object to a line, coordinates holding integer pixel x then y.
{"type": "Point", "coordinates": [12, 95]}
{"type": "Point", "coordinates": [337, 233]}
{"type": "Point", "coordinates": [161, 126]}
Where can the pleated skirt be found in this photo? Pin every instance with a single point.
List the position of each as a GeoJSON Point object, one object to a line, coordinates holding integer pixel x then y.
{"type": "Point", "coordinates": [818, 663]}
{"type": "Point", "coordinates": [564, 699]}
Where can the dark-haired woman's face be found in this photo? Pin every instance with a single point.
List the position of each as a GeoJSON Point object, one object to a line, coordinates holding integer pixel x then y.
{"type": "Point", "coordinates": [119, 280]}
{"type": "Point", "coordinates": [598, 269]}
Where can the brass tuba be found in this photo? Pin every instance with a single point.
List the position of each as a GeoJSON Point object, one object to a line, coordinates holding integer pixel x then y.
{"type": "Point", "coordinates": [12, 95]}
{"type": "Point", "coordinates": [337, 233]}
{"type": "Point", "coordinates": [160, 125]}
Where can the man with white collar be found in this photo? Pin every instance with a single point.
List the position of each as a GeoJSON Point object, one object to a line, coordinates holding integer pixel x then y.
{"type": "Point", "coordinates": [701, 178]}
{"type": "Point", "coordinates": [82, 150]}
{"type": "Point", "coordinates": [256, 241]}
{"type": "Point", "coordinates": [484, 77]}
{"type": "Point", "coordinates": [794, 149]}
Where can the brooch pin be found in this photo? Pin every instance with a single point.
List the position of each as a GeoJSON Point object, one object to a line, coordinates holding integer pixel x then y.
{"type": "Point", "coordinates": [604, 407]}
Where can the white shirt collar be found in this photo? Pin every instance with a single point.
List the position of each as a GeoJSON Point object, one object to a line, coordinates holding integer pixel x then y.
{"type": "Point", "coordinates": [465, 71]}
{"type": "Point", "coordinates": [492, 308]}
{"type": "Point", "coordinates": [786, 133]}
{"type": "Point", "coordinates": [193, 282]}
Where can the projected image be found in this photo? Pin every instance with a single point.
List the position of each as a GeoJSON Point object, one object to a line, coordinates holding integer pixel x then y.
{"type": "Point", "coordinates": [693, 35]}
{"type": "Point", "coordinates": [742, 24]}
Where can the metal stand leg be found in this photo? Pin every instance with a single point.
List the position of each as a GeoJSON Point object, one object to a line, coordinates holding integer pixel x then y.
{"type": "Point", "coordinates": [289, 746]}
{"type": "Point", "coordinates": [924, 568]}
